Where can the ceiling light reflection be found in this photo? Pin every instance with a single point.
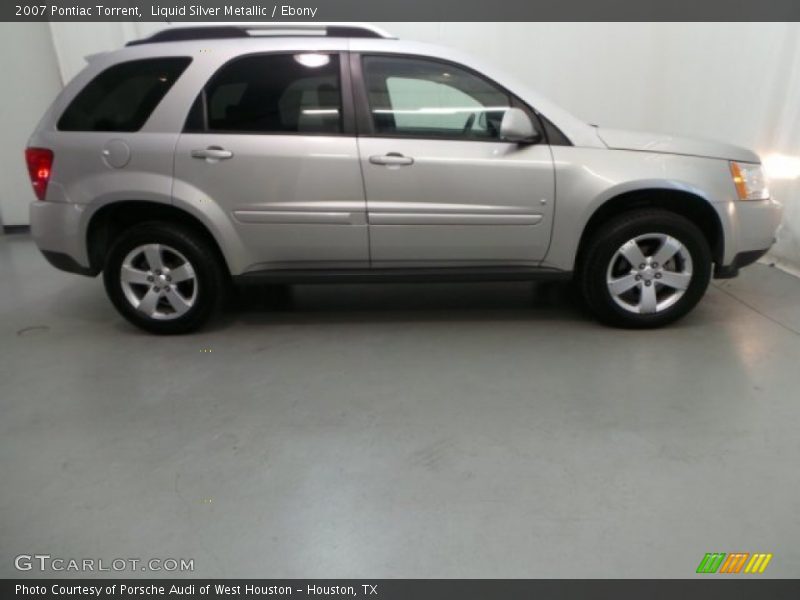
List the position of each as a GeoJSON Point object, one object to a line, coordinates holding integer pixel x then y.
{"type": "Point", "coordinates": [439, 111]}
{"type": "Point", "coordinates": [312, 59]}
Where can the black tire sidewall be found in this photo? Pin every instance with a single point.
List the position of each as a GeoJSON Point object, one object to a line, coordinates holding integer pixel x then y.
{"type": "Point", "coordinates": [210, 280]}
{"type": "Point", "coordinates": [612, 236]}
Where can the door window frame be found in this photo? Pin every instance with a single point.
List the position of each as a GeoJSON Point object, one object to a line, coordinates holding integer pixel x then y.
{"type": "Point", "coordinates": [365, 127]}
{"type": "Point", "coordinates": [345, 90]}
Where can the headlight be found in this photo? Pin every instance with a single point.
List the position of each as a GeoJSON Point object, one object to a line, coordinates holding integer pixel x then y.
{"type": "Point", "coordinates": [750, 181]}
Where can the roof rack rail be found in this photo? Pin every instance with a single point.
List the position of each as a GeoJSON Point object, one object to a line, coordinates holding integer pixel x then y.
{"type": "Point", "coordinates": [245, 30]}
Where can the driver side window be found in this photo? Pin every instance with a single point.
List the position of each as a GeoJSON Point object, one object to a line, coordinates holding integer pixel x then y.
{"type": "Point", "coordinates": [413, 97]}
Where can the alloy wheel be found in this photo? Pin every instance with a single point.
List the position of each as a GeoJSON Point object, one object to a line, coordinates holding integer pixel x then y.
{"type": "Point", "coordinates": [649, 273]}
{"type": "Point", "coordinates": [159, 281]}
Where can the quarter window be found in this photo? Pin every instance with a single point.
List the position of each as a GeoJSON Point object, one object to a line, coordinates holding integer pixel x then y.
{"type": "Point", "coordinates": [122, 97]}
{"type": "Point", "coordinates": [424, 98]}
{"type": "Point", "coordinates": [276, 93]}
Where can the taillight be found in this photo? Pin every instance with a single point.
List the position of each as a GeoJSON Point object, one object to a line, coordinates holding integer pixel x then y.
{"type": "Point", "coordinates": [40, 165]}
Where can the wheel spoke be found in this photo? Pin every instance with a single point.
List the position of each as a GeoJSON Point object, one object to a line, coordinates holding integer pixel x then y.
{"type": "Point", "coordinates": [149, 302]}
{"type": "Point", "coordinates": [622, 284]}
{"type": "Point", "coordinates": [152, 253]}
{"type": "Point", "coordinates": [178, 303]}
{"type": "Point", "coordinates": [678, 281]}
{"type": "Point", "coordinates": [632, 253]}
{"type": "Point", "coordinates": [182, 273]}
{"type": "Point", "coordinates": [648, 302]}
{"type": "Point", "coordinates": [131, 275]}
{"type": "Point", "coordinates": [668, 249]}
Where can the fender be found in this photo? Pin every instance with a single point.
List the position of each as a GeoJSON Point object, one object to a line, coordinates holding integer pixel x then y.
{"type": "Point", "coordinates": [588, 179]}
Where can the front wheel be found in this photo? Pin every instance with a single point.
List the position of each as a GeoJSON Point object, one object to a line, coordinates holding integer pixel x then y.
{"type": "Point", "coordinates": [164, 278]}
{"type": "Point", "coordinates": [645, 269]}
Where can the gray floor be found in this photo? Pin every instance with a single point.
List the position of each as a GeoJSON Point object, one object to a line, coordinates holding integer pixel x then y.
{"type": "Point", "coordinates": [400, 431]}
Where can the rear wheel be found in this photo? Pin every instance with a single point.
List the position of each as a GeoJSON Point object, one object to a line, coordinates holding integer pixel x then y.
{"type": "Point", "coordinates": [164, 278]}
{"type": "Point", "coordinates": [645, 269]}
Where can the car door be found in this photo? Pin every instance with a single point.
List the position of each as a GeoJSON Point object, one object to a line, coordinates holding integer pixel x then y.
{"type": "Point", "coordinates": [271, 142]}
{"type": "Point", "coordinates": [442, 187]}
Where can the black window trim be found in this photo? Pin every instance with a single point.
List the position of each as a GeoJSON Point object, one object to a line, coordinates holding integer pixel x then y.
{"type": "Point", "coordinates": [188, 64]}
{"type": "Point", "coordinates": [345, 90]}
{"type": "Point", "coordinates": [365, 126]}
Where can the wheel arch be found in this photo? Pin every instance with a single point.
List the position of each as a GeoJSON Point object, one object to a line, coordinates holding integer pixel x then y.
{"type": "Point", "coordinates": [111, 219]}
{"type": "Point", "coordinates": [687, 204]}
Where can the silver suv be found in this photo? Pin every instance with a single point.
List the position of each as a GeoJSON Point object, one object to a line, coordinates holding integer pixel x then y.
{"type": "Point", "coordinates": [202, 156]}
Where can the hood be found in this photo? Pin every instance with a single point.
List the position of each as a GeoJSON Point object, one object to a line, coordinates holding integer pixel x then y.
{"type": "Point", "coordinates": [640, 141]}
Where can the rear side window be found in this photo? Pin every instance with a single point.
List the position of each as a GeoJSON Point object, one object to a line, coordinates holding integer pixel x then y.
{"type": "Point", "coordinates": [122, 97]}
{"type": "Point", "coordinates": [276, 93]}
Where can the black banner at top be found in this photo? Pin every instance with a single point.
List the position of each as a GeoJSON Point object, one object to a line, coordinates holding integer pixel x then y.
{"type": "Point", "coordinates": [400, 10]}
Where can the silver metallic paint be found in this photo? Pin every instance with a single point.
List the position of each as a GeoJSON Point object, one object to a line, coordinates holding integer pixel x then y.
{"type": "Point", "coordinates": [498, 187]}
{"type": "Point", "coordinates": [459, 203]}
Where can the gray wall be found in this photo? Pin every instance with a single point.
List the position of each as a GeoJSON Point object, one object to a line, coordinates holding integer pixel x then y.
{"type": "Point", "coordinates": [30, 82]}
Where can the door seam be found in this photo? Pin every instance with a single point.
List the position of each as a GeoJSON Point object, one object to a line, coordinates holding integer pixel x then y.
{"type": "Point", "coordinates": [356, 133]}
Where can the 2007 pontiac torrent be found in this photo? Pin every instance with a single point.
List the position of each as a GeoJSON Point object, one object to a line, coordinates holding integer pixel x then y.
{"type": "Point", "coordinates": [202, 156]}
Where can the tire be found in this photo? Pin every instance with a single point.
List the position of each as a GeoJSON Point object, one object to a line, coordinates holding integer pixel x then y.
{"type": "Point", "coordinates": [624, 294]}
{"type": "Point", "coordinates": [173, 280]}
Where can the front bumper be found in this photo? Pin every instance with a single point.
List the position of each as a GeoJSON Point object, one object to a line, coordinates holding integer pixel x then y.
{"type": "Point", "coordinates": [740, 260]}
{"type": "Point", "coordinates": [750, 229]}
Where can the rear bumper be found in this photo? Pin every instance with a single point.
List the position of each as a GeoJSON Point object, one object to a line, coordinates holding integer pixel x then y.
{"type": "Point", "coordinates": [66, 263]}
{"type": "Point", "coordinates": [58, 230]}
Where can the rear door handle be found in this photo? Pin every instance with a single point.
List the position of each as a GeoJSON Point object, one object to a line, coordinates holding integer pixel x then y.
{"type": "Point", "coordinates": [212, 153]}
{"type": "Point", "coordinates": [392, 159]}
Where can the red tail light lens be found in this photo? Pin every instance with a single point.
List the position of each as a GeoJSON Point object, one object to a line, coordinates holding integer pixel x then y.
{"type": "Point", "coordinates": [40, 164]}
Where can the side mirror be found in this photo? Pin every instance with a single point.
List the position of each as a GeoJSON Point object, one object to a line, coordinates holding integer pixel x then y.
{"type": "Point", "coordinates": [517, 127]}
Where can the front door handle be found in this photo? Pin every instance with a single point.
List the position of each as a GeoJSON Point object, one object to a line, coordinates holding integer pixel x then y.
{"type": "Point", "coordinates": [392, 159]}
{"type": "Point", "coordinates": [212, 153]}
